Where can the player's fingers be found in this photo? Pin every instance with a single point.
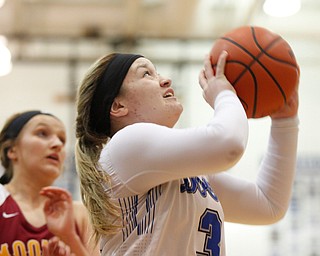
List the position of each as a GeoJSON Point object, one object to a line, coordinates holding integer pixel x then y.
{"type": "Point", "coordinates": [65, 250]}
{"type": "Point", "coordinates": [49, 248]}
{"type": "Point", "coordinates": [208, 70]}
{"type": "Point", "coordinates": [55, 191]}
{"type": "Point", "coordinates": [202, 79]}
{"type": "Point", "coordinates": [47, 208]}
{"type": "Point", "coordinates": [68, 250]}
{"type": "Point", "coordinates": [289, 109]}
{"type": "Point", "coordinates": [56, 194]}
{"type": "Point", "coordinates": [221, 63]}
{"type": "Point", "coordinates": [45, 250]}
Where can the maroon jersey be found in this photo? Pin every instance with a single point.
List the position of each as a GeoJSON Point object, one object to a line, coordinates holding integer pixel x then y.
{"type": "Point", "coordinates": [17, 236]}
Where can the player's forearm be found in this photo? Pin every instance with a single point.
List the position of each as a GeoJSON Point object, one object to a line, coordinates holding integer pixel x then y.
{"type": "Point", "coordinates": [76, 245]}
{"type": "Point", "coordinates": [278, 168]}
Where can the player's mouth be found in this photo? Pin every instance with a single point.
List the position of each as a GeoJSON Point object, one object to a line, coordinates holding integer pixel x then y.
{"type": "Point", "coordinates": [169, 93]}
{"type": "Point", "coordinates": [54, 157]}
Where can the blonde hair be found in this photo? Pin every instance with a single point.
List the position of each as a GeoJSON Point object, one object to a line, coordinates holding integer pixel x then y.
{"type": "Point", "coordinates": [103, 211]}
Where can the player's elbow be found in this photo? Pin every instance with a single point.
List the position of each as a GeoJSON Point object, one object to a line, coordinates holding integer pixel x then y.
{"type": "Point", "coordinates": [237, 142]}
{"type": "Point", "coordinates": [235, 150]}
{"type": "Point", "coordinates": [275, 215]}
{"type": "Point", "coordinates": [279, 214]}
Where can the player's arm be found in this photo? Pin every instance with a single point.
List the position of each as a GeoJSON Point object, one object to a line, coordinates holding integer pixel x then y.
{"type": "Point", "coordinates": [62, 216]}
{"type": "Point", "coordinates": [159, 154]}
{"type": "Point", "coordinates": [265, 201]}
{"type": "Point", "coordinates": [85, 228]}
{"type": "Point", "coordinates": [55, 247]}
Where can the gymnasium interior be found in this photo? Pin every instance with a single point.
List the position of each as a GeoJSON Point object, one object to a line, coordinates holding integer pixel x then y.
{"type": "Point", "coordinates": [46, 46]}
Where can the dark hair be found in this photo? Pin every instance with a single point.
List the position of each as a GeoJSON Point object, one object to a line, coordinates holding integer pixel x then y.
{"type": "Point", "coordinates": [8, 135]}
{"type": "Point", "coordinates": [107, 88]}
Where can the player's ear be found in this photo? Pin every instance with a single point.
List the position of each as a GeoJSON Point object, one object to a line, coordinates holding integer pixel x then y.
{"type": "Point", "coordinates": [118, 108]}
{"type": "Point", "coordinates": [12, 153]}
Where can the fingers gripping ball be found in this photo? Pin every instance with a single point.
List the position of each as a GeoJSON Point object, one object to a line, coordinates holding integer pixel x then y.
{"type": "Point", "coordinates": [261, 66]}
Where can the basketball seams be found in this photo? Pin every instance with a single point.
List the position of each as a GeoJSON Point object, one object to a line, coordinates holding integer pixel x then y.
{"type": "Point", "coordinates": [272, 43]}
{"type": "Point", "coordinates": [264, 55]}
{"type": "Point", "coordinates": [238, 45]}
{"type": "Point", "coordinates": [234, 83]}
{"type": "Point", "coordinates": [247, 68]}
{"type": "Point", "coordinates": [255, 59]}
{"type": "Point", "coordinates": [263, 66]}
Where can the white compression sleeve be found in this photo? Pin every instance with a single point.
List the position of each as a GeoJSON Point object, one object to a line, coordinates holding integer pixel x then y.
{"type": "Point", "coordinates": [144, 155]}
{"type": "Point", "coordinates": [267, 200]}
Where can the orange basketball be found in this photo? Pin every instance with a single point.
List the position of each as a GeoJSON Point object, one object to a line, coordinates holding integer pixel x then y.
{"type": "Point", "coordinates": [261, 66]}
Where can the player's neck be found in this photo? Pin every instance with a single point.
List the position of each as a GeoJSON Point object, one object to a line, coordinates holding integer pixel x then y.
{"type": "Point", "coordinates": [24, 192]}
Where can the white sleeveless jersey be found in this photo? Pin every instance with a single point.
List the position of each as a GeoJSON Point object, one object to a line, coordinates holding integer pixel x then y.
{"type": "Point", "coordinates": [182, 217]}
{"type": "Point", "coordinates": [168, 206]}
{"type": "Point", "coordinates": [166, 182]}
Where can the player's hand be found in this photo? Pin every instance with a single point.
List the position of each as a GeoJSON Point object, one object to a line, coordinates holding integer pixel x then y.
{"type": "Point", "coordinates": [55, 247]}
{"type": "Point", "coordinates": [290, 109]}
{"type": "Point", "coordinates": [212, 84]}
{"type": "Point", "coordinates": [58, 211]}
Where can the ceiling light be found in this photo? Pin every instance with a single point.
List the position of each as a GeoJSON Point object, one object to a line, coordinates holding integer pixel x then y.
{"type": "Point", "coordinates": [2, 3]}
{"type": "Point", "coordinates": [5, 57]}
{"type": "Point", "coordinates": [281, 8]}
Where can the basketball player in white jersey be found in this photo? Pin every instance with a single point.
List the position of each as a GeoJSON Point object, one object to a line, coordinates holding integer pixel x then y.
{"type": "Point", "coordinates": [152, 189]}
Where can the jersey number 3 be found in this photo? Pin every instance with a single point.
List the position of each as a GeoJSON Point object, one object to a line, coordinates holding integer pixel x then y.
{"type": "Point", "coordinates": [210, 224]}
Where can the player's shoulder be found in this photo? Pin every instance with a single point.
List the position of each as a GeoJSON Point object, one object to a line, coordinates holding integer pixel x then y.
{"type": "Point", "coordinates": [3, 194]}
{"type": "Point", "coordinates": [138, 129]}
{"type": "Point", "coordinates": [80, 212]}
{"type": "Point", "coordinates": [81, 217]}
{"type": "Point", "coordinates": [78, 205]}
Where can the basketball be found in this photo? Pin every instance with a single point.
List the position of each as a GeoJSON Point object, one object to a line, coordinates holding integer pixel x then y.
{"type": "Point", "coordinates": [261, 66]}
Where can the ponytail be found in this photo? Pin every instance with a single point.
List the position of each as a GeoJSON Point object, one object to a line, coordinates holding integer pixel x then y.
{"type": "Point", "coordinates": [102, 210]}
{"type": "Point", "coordinates": [94, 182]}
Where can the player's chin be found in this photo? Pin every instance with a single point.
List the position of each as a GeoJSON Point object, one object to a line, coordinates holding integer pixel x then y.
{"type": "Point", "coordinates": [175, 114]}
{"type": "Point", "coordinates": [54, 171]}
{"type": "Point", "coordinates": [172, 100]}
{"type": "Point", "coordinates": [176, 107]}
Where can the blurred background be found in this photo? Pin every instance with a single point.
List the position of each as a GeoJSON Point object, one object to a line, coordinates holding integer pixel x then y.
{"type": "Point", "coordinates": [46, 46]}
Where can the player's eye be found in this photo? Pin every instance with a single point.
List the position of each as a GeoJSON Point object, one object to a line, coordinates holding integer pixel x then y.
{"type": "Point", "coordinates": [62, 139]}
{"type": "Point", "coordinates": [42, 133]}
{"type": "Point", "coordinates": [146, 73]}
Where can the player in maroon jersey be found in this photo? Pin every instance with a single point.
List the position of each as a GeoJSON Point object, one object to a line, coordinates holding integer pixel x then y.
{"type": "Point", "coordinates": [32, 151]}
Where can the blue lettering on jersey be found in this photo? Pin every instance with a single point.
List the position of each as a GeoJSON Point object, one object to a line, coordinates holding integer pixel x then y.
{"type": "Point", "coordinates": [194, 184]}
